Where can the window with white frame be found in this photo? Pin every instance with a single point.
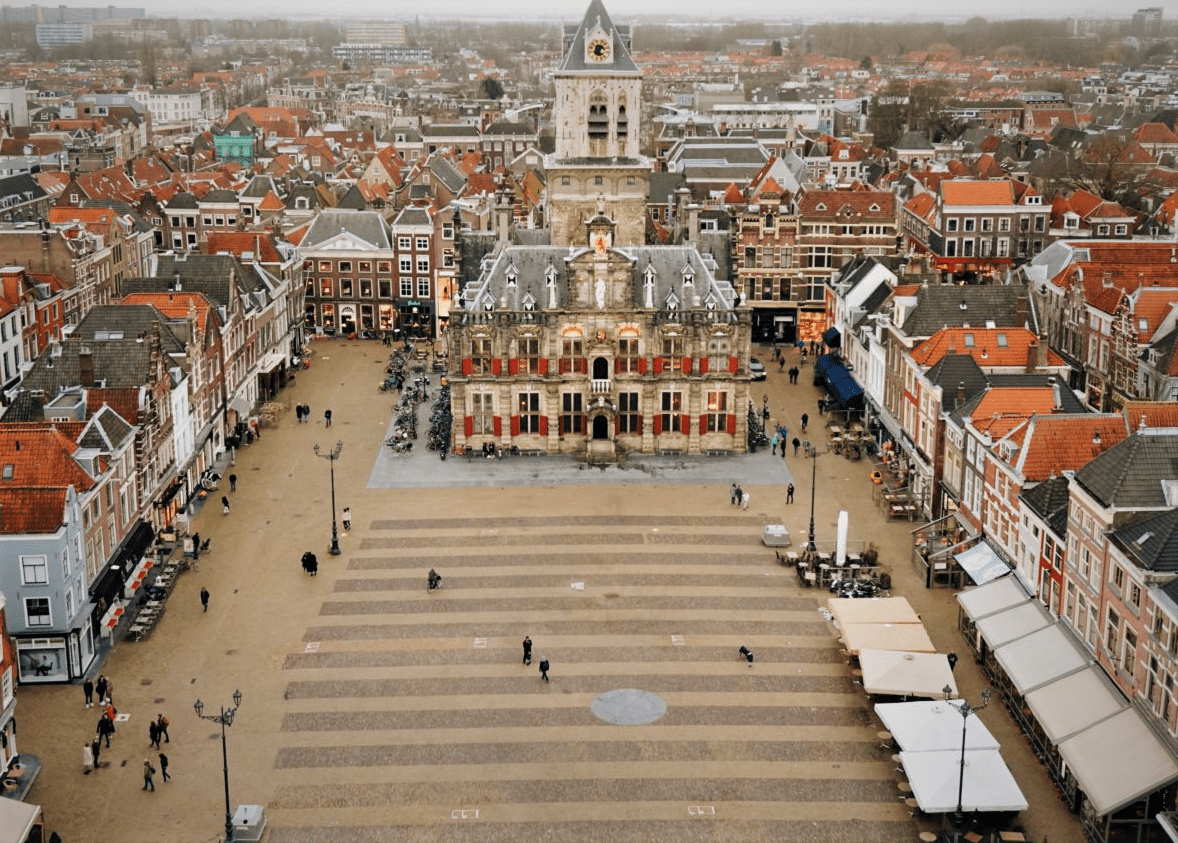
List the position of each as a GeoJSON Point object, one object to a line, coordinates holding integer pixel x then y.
{"type": "Point", "coordinates": [34, 570]}
{"type": "Point", "coordinates": [37, 612]}
{"type": "Point", "coordinates": [423, 288]}
{"type": "Point", "coordinates": [482, 410]}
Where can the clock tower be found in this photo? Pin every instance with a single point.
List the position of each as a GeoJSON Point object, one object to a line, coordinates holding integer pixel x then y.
{"type": "Point", "coordinates": [597, 162]}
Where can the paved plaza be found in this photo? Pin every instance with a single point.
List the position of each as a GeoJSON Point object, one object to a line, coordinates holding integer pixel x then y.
{"type": "Point", "coordinates": [374, 710]}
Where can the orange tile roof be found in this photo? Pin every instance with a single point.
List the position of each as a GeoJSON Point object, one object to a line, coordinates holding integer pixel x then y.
{"type": "Point", "coordinates": [125, 402]}
{"type": "Point", "coordinates": [971, 192]}
{"type": "Point", "coordinates": [1001, 409]}
{"type": "Point", "coordinates": [31, 511]}
{"type": "Point", "coordinates": [175, 305]}
{"type": "Point", "coordinates": [990, 347]}
{"type": "Point", "coordinates": [1153, 413]}
{"type": "Point", "coordinates": [1062, 442]}
{"type": "Point", "coordinates": [239, 243]}
{"type": "Point", "coordinates": [41, 455]}
{"type": "Point", "coordinates": [1125, 264]}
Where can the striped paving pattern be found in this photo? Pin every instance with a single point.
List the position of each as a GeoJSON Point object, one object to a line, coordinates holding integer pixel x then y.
{"type": "Point", "coordinates": [409, 715]}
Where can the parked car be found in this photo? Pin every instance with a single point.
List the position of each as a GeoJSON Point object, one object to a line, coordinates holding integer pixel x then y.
{"type": "Point", "coordinates": [757, 368]}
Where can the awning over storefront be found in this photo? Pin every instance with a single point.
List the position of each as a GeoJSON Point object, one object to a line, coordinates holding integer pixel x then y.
{"type": "Point", "coordinates": [831, 371]}
{"type": "Point", "coordinates": [1003, 627]}
{"type": "Point", "coordinates": [1118, 761]}
{"type": "Point", "coordinates": [270, 362]}
{"type": "Point", "coordinates": [995, 596]}
{"type": "Point", "coordinates": [1041, 657]}
{"type": "Point", "coordinates": [240, 405]}
{"type": "Point", "coordinates": [982, 563]}
{"type": "Point", "coordinates": [1073, 703]}
{"type": "Point", "coordinates": [17, 820]}
{"type": "Point", "coordinates": [135, 545]}
{"type": "Point", "coordinates": [831, 338]}
{"type": "Point", "coordinates": [887, 636]}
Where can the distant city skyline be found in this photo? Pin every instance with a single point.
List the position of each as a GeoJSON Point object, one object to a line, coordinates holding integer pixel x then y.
{"type": "Point", "coordinates": [706, 10]}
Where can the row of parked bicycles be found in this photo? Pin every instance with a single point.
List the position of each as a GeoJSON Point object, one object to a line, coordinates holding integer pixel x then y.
{"type": "Point", "coordinates": [441, 423]}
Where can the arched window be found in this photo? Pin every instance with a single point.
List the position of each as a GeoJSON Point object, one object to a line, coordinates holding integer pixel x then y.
{"type": "Point", "coordinates": [598, 117]}
{"type": "Point", "coordinates": [623, 121]}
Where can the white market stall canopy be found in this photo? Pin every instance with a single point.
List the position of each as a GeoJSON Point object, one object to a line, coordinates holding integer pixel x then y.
{"type": "Point", "coordinates": [992, 597]}
{"type": "Point", "coordinates": [858, 637]}
{"type": "Point", "coordinates": [926, 726]}
{"type": "Point", "coordinates": [1117, 761]}
{"type": "Point", "coordinates": [900, 674]}
{"type": "Point", "coordinates": [982, 563]}
{"type": "Point", "coordinates": [17, 820]}
{"type": "Point", "coordinates": [1073, 703]}
{"type": "Point", "coordinates": [988, 784]}
{"type": "Point", "coordinates": [873, 610]}
{"type": "Point", "coordinates": [1001, 627]}
{"type": "Point", "coordinates": [1041, 657]}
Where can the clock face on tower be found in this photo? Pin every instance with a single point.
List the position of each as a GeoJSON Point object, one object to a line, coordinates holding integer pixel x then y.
{"type": "Point", "coordinates": [599, 49]}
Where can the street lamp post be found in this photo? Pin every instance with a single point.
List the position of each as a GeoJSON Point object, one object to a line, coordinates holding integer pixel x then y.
{"type": "Point", "coordinates": [965, 710]}
{"type": "Point", "coordinates": [813, 454]}
{"type": "Point", "coordinates": [225, 718]}
{"type": "Point", "coordinates": [331, 456]}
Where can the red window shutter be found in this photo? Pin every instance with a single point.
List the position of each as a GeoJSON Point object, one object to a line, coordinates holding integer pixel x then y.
{"type": "Point", "coordinates": [639, 425]}
{"type": "Point", "coordinates": [642, 365]}
{"type": "Point", "coordinates": [468, 426]}
{"type": "Point", "coordinates": [703, 365]}
{"type": "Point", "coordinates": [585, 424]}
{"type": "Point", "coordinates": [560, 425]}
{"type": "Point", "coordinates": [687, 365]}
{"type": "Point", "coordinates": [497, 426]}
{"type": "Point", "coordinates": [658, 425]}
{"type": "Point", "coordinates": [543, 365]}
{"type": "Point", "coordinates": [732, 426]}
{"type": "Point", "coordinates": [515, 425]}
{"type": "Point", "coordinates": [617, 366]}
{"type": "Point", "coordinates": [562, 365]}
{"type": "Point", "coordinates": [733, 365]}
{"type": "Point", "coordinates": [617, 425]}
{"type": "Point", "coordinates": [543, 425]}
{"type": "Point", "coordinates": [496, 366]}
{"type": "Point", "coordinates": [703, 424]}
{"type": "Point", "coordinates": [658, 365]}
{"type": "Point", "coordinates": [467, 367]}
{"type": "Point", "coordinates": [584, 363]}
{"type": "Point", "coordinates": [513, 366]}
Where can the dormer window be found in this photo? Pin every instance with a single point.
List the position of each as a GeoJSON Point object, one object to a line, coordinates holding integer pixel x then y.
{"type": "Point", "coordinates": [672, 300]}
{"type": "Point", "coordinates": [529, 302]}
{"type": "Point", "coordinates": [550, 276]}
{"type": "Point", "coordinates": [821, 206]}
{"type": "Point", "coordinates": [8, 471]}
{"type": "Point", "coordinates": [512, 275]}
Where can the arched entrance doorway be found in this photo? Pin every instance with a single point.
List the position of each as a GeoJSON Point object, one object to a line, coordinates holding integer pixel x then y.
{"type": "Point", "coordinates": [600, 427]}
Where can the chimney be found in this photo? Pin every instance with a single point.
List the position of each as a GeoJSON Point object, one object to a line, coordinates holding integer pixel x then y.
{"type": "Point", "coordinates": [1032, 356]}
{"type": "Point", "coordinates": [1020, 310]}
{"type": "Point", "coordinates": [86, 367]}
{"type": "Point", "coordinates": [1057, 403]}
{"type": "Point", "coordinates": [1041, 352]}
{"type": "Point", "coordinates": [960, 393]}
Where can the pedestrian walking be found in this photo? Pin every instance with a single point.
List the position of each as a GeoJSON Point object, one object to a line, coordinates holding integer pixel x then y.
{"type": "Point", "coordinates": [805, 421]}
{"type": "Point", "coordinates": [224, 505]}
{"type": "Point", "coordinates": [106, 728]}
{"type": "Point", "coordinates": [306, 414]}
{"type": "Point", "coordinates": [527, 650]}
{"type": "Point", "coordinates": [148, 772]}
{"type": "Point", "coordinates": [821, 406]}
{"type": "Point", "coordinates": [734, 495]}
{"type": "Point", "coordinates": [773, 440]}
{"type": "Point", "coordinates": [195, 546]}
{"type": "Point", "coordinates": [797, 443]}
{"type": "Point", "coordinates": [347, 519]}
{"type": "Point", "coordinates": [313, 565]}
{"type": "Point", "coordinates": [952, 659]}
{"type": "Point", "coordinates": [789, 493]}
{"type": "Point", "coordinates": [204, 598]}
{"type": "Point", "coordinates": [87, 759]}
{"type": "Point", "coordinates": [780, 364]}
{"type": "Point", "coordinates": [88, 690]}
{"type": "Point", "coordinates": [153, 732]}
{"type": "Point", "coordinates": [747, 654]}
{"type": "Point", "coordinates": [96, 748]}
{"type": "Point", "coordinates": [233, 482]}
{"type": "Point", "coordinates": [327, 418]}
{"type": "Point", "coordinates": [100, 687]}
{"type": "Point", "coordinates": [164, 766]}
{"type": "Point", "coordinates": [744, 500]}
{"type": "Point", "coordinates": [544, 668]}
{"type": "Point", "coordinates": [110, 698]}
{"type": "Point", "coordinates": [299, 413]}
{"type": "Point", "coordinates": [162, 722]}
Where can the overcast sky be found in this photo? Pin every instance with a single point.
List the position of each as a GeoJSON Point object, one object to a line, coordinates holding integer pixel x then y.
{"type": "Point", "coordinates": [571, 10]}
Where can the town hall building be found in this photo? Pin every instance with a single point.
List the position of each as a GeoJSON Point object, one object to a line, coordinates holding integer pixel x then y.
{"type": "Point", "coordinates": [597, 344]}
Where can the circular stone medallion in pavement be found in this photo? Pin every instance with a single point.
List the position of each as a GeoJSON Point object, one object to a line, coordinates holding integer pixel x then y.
{"type": "Point", "coordinates": [629, 707]}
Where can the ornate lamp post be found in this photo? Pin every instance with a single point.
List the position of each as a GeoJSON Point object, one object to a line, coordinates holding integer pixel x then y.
{"type": "Point", "coordinates": [965, 710]}
{"type": "Point", "coordinates": [225, 718]}
{"type": "Point", "coordinates": [331, 456]}
{"type": "Point", "coordinates": [813, 454]}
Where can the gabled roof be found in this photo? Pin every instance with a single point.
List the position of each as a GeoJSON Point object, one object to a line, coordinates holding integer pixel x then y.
{"type": "Point", "coordinates": [1049, 500]}
{"type": "Point", "coordinates": [1137, 473]}
{"type": "Point", "coordinates": [1152, 543]}
{"type": "Point", "coordinates": [941, 305]}
{"type": "Point", "coordinates": [574, 59]}
{"type": "Point", "coordinates": [1151, 414]}
{"type": "Point", "coordinates": [31, 511]}
{"type": "Point", "coordinates": [1000, 410]}
{"type": "Point", "coordinates": [40, 456]}
{"type": "Point", "coordinates": [367, 229]}
{"type": "Point", "coordinates": [972, 192]}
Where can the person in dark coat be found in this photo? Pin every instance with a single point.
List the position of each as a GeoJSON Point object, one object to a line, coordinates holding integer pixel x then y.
{"type": "Point", "coordinates": [789, 494]}
{"type": "Point", "coordinates": [952, 659]}
{"type": "Point", "coordinates": [204, 598]}
{"type": "Point", "coordinates": [527, 650]}
{"type": "Point", "coordinates": [96, 749]}
{"type": "Point", "coordinates": [747, 653]}
{"type": "Point", "coordinates": [544, 668]}
{"type": "Point", "coordinates": [153, 732]}
{"type": "Point", "coordinates": [88, 690]}
{"type": "Point", "coordinates": [164, 766]}
{"type": "Point", "coordinates": [224, 505]}
{"type": "Point", "coordinates": [233, 482]}
{"type": "Point", "coordinates": [106, 728]}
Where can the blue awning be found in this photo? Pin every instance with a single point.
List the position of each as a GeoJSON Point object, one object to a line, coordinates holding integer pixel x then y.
{"type": "Point", "coordinates": [830, 370]}
{"type": "Point", "coordinates": [832, 338]}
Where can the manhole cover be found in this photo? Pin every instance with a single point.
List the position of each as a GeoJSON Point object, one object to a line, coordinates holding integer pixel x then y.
{"type": "Point", "coordinates": [629, 707]}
